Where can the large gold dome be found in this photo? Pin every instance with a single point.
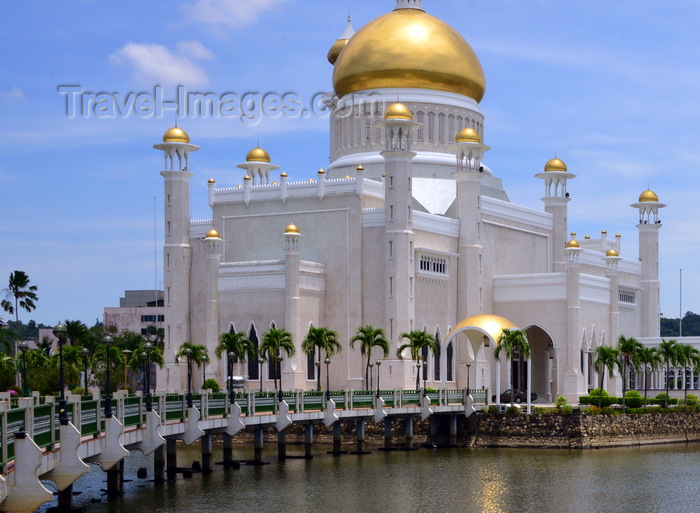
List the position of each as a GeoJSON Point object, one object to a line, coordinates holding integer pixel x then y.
{"type": "Point", "coordinates": [408, 48]}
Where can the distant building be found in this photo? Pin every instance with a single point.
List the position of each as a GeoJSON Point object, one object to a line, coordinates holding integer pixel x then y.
{"type": "Point", "coordinates": [137, 310]}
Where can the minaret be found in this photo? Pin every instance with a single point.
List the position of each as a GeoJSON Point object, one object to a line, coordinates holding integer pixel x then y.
{"type": "Point", "coordinates": [213, 247]}
{"type": "Point", "coordinates": [398, 232]}
{"type": "Point", "coordinates": [257, 164]}
{"type": "Point", "coordinates": [468, 174]}
{"type": "Point", "coordinates": [612, 258]}
{"type": "Point", "coordinates": [555, 202]}
{"type": "Point", "coordinates": [649, 225]}
{"type": "Point", "coordinates": [292, 367]}
{"type": "Point", "coordinates": [177, 252]}
{"type": "Point", "coordinates": [572, 382]}
{"type": "Point", "coordinates": [340, 43]}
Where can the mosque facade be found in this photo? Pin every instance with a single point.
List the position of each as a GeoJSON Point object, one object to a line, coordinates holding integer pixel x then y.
{"type": "Point", "coordinates": [406, 229]}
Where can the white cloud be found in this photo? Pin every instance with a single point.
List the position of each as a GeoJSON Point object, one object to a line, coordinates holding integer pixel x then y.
{"type": "Point", "coordinates": [231, 13]}
{"type": "Point", "coordinates": [13, 94]}
{"type": "Point", "coordinates": [153, 64]}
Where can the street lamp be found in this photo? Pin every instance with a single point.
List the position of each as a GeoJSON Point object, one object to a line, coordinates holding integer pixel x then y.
{"type": "Point", "coordinates": [148, 347]}
{"type": "Point", "coordinates": [327, 361]}
{"type": "Point", "coordinates": [231, 397]}
{"type": "Point", "coordinates": [278, 370]}
{"type": "Point", "coordinates": [23, 347]}
{"type": "Point", "coordinates": [108, 341]}
{"type": "Point", "coordinates": [85, 352]}
{"type": "Point", "coordinates": [188, 353]}
{"type": "Point", "coordinates": [379, 362]}
{"type": "Point", "coordinates": [261, 360]}
{"type": "Point", "coordinates": [318, 375]}
{"type": "Point", "coordinates": [468, 367]}
{"type": "Point", "coordinates": [205, 359]}
{"type": "Point", "coordinates": [126, 354]}
{"type": "Point", "coordinates": [425, 377]}
{"type": "Point", "coordinates": [144, 357]}
{"type": "Point", "coordinates": [371, 375]}
{"type": "Point", "coordinates": [60, 332]}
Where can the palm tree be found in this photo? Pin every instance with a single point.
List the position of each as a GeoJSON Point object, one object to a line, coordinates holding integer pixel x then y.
{"type": "Point", "coordinates": [688, 356]}
{"type": "Point", "coordinates": [21, 293]}
{"type": "Point", "coordinates": [325, 339]}
{"type": "Point", "coordinates": [606, 357]}
{"type": "Point", "coordinates": [76, 332]}
{"type": "Point", "coordinates": [370, 337]}
{"type": "Point", "coordinates": [238, 344]}
{"type": "Point", "coordinates": [512, 342]}
{"type": "Point", "coordinates": [417, 340]}
{"type": "Point", "coordinates": [649, 359]}
{"type": "Point", "coordinates": [628, 348]}
{"type": "Point", "coordinates": [273, 343]}
{"type": "Point", "coordinates": [668, 351]}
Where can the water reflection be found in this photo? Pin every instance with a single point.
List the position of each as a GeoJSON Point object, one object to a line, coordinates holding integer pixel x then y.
{"type": "Point", "coordinates": [659, 478]}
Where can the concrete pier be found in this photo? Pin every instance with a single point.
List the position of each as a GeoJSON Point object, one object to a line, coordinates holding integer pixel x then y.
{"type": "Point", "coordinates": [282, 445]}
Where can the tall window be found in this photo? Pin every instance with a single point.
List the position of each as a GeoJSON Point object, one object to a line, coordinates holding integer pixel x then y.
{"type": "Point", "coordinates": [431, 126]}
{"type": "Point", "coordinates": [441, 128]}
{"type": "Point", "coordinates": [450, 362]}
{"type": "Point", "coordinates": [311, 366]}
{"type": "Point", "coordinates": [436, 363]}
{"type": "Point", "coordinates": [424, 368]}
{"type": "Point", "coordinates": [419, 117]}
{"type": "Point", "coordinates": [253, 369]}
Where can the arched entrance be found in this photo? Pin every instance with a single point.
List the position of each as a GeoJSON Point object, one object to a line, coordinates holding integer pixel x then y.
{"type": "Point", "coordinates": [544, 362]}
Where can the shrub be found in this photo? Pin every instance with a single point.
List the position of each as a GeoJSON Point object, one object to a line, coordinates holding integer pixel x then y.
{"type": "Point", "coordinates": [608, 411]}
{"type": "Point", "coordinates": [596, 392]}
{"type": "Point", "coordinates": [604, 399]}
{"type": "Point", "coordinates": [633, 399]}
{"type": "Point", "coordinates": [685, 409]}
{"type": "Point", "coordinates": [541, 410]}
{"type": "Point", "coordinates": [493, 410]}
{"type": "Point", "coordinates": [593, 410]}
{"type": "Point", "coordinates": [513, 410]}
{"type": "Point", "coordinates": [561, 401]}
{"type": "Point", "coordinates": [660, 399]}
{"type": "Point", "coordinates": [692, 400]}
{"type": "Point", "coordinates": [211, 384]}
{"type": "Point", "coordinates": [566, 410]}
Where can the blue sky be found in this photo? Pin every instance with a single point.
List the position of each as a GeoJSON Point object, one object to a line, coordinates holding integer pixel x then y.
{"type": "Point", "coordinates": [610, 86]}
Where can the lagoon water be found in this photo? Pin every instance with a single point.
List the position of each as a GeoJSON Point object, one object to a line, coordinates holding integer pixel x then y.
{"type": "Point", "coordinates": [635, 479]}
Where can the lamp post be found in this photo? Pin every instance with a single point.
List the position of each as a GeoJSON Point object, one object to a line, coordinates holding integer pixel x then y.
{"type": "Point", "coordinates": [379, 362]}
{"type": "Point", "coordinates": [371, 375]}
{"type": "Point", "coordinates": [148, 347]}
{"type": "Point", "coordinates": [468, 367]}
{"type": "Point", "coordinates": [278, 370]}
{"type": "Point", "coordinates": [231, 397]}
{"type": "Point", "coordinates": [327, 361]}
{"type": "Point", "coordinates": [126, 354]}
{"type": "Point", "coordinates": [188, 354]}
{"type": "Point", "coordinates": [23, 347]}
{"type": "Point", "coordinates": [205, 359]}
{"type": "Point", "coordinates": [108, 341]}
{"type": "Point", "coordinates": [85, 352]}
{"type": "Point", "coordinates": [144, 357]}
{"type": "Point", "coordinates": [60, 333]}
{"type": "Point", "coordinates": [425, 377]}
{"type": "Point", "coordinates": [260, 362]}
{"type": "Point", "coordinates": [318, 375]}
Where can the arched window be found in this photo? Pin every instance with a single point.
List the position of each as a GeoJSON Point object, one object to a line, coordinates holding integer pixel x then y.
{"type": "Point", "coordinates": [460, 123]}
{"type": "Point", "coordinates": [431, 126]}
{"type": "Point", "coordinates": [419, 118]}
{"type": "Point", "coordinates": [378, 131]}
{"type": "Point", "coordinates": [441, 128]}
{"type": "Point", "coordinates": [436, 362]}
{"type": "Point", "coordinates": [450, 362]}
{"type": "Point", "coordinates": [368, 126]}
{"type": "Point", "coordinates": [451, 128]}
{"type": "Point", "coordinates": [253, 368]}
{"type": "Point", "coordinates": [424, 368]}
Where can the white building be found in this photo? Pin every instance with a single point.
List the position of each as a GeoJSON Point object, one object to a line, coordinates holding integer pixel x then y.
{"type": "Point", "coordinates": [137, 311]}
{"type": "Point", "coordinates": [406, 229]}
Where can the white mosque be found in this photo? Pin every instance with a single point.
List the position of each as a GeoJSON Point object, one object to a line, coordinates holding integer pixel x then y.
{"type": "Point", "coordinates": [406, 229]}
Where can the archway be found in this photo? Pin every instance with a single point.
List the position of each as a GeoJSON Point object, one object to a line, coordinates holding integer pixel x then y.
{"type": "Point", "coordinates": [544, 362]}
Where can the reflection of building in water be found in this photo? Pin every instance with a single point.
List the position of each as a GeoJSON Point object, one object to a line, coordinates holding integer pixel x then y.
{"type": "Point", "coordinates": [407, 229]}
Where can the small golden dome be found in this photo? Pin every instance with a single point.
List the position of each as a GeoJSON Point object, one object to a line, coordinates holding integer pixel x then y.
{"type": "Point", "coordinates": [176, 134]}
{"type": "Point", "coordinates": [311, 180]}
{"type": "Point", "coordinates": [409, 48]}
{"type": "Point", "coordinates": [618, 235]}
{"type": "Point", "coordinates": [274, 183]}
{"type": "Point", "coordinates": [604, 232]}
{"type": "Point", "coordinates": [648, 196]}
{"type": "Point", "coordinates": [257, 155]}
{"type": "Point", "coordinates": [611, 253]}
{"type": "Point", "coordinates": [283, 175]}
{"type": "Point", "coordinates": [398, 111]}
{"type": "Point", "coordinates": [212, 234]}
{"type": "Point", "coordinates": [321, 172]}
{"type": "Point", "coordinates": [383, 175]}
{"type": "Point", "coordinates": [246, 178]}
{"type": "Point", "coordinates": [360, 168]}
{"type": "Point", "coordinates": [587, 237]}
{"type": "Point", "coordinates": [555, 164]}
{"type": "Point", "coordinates": [211, 180]}
{"type": "Point", "coordinates": [291, 229]}
{"type": "Point", "coordinates": [239, 186]}
{"type": "Point", "coordinates": [572, 244]}
{"type": "Point", "coordinates": [573, 235]}
{"type": "Point", "coordinates": [340, 43]}
{"type": "Point", "coordinates": [347, 177]}
{"type": "Point", "coordinates": [468, 135]}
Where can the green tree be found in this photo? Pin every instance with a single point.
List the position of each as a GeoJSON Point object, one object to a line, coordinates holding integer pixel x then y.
{"type": "Point", "coordinates": [606, 357]}
{"type": "Point", "coordinates": [687, 357]}
{"type": "Point", "coordinates": [512, 342]}
{"type": "Point", "coordinates": [668, 350]}
{"type": "Point", "coordinates": [76, 333]}
{"type": "Point", "coordinates": [19, 294]}
{"type": "Point", "coordinates": [370, 337]}
{"type": "Point", "coordinates": [236, 343]}
{"type": "Point", "coordinates": [325, 339]}
{"type": "Point", "coordinates": [274, 342]}
{"type": "Point", "coordinates": [648, 358]}
{"type": "Point", "coordinates": [417, 340]}
{"type": "Point", "coordinates": [628, 349]}
{"type": "Point", "coordinates": [197, 354]}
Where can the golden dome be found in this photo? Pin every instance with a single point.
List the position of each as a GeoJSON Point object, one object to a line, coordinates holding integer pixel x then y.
{"type": "Point", "coordinates": [283, 175]}
{"type": "Point", "coordinates": [611, 253]}
{"type": "Point", "coordinates": [555, 164]}
{"type": "Point", "coordinates": [291, 229]}
{"type": "Point", "coordinates": [247, 178]}
{"type": "Point", "coordinates": [572, 244]}
{"type": "Point", "coordinates": [257, 155]}
{"type": "Point", "coordinates": [647, 196]}
{"type": "Point", "coordinates": [340, 43]}
{"type": "Point", "coordinates": [176, 134]}
{"type": "Point", "coordinates": [618, 235]}
{"type": "Point", "coordinates": [212, 234]}
{"type": "Point", "coordinates": [311, 180]}
{"type": "Point", "coordinates": [587, 237]}
{"type": "Point", "coordinates": [468, 135]}
{"type": "Point", "coordinates": [211, 180]}
{"type": "Point", "coordinates": [409, 48]}
{"type": "Point", "coordinates": [491, 324]}
{"type": "Point", "coordinates": [398, 111]}
{"type": "Point", "coordinates": [239, 186]}
{"type": "Point", "coordinates": [360, 168]}
{"type": "Point", "coordinates": [321, 172]}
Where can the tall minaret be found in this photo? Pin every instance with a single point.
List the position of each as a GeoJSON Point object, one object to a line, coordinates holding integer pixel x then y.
{"type": "Point", "coordinates": [555, 202]}
{"type": "Point", "coordinates": [398, 233]}
{"type": "Point", "coordinates": [177, 253]}
{"type": "Point", "coordinates": [293, 367]}
{"type": "Point", "coordinates": [470, 153]}
{"type": "Point", "coordinates": [213, 249]}
{"type": "Point", "coordinates": [572, 379]}
{"type": "Point", "coordinates": [649, 224]}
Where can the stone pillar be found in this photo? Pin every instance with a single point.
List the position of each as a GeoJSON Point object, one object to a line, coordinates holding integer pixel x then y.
{"type": "Point", "coordinates": [360, 437]}
{"type": "Point", "coordinates": [115, 479]}
{"type": "Point", "coordinates": [282, 445]}
{"type": "Point", "coordinates": [206, 453]}
{"type": "Point", "coordinates": [171, 456]}
{"type": "Point", "coordinates": [409, 432]}
{"type": "Point", "coordinates": [258, 437]}
{"type": "Point", "coordinates": [159, 464]}
{"type": "Point", "coordinates": [308, 441]}
{"type": "Point", "coordinates": [387, 433]}
{"type": "Point", "coordinates": [337, 438]}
